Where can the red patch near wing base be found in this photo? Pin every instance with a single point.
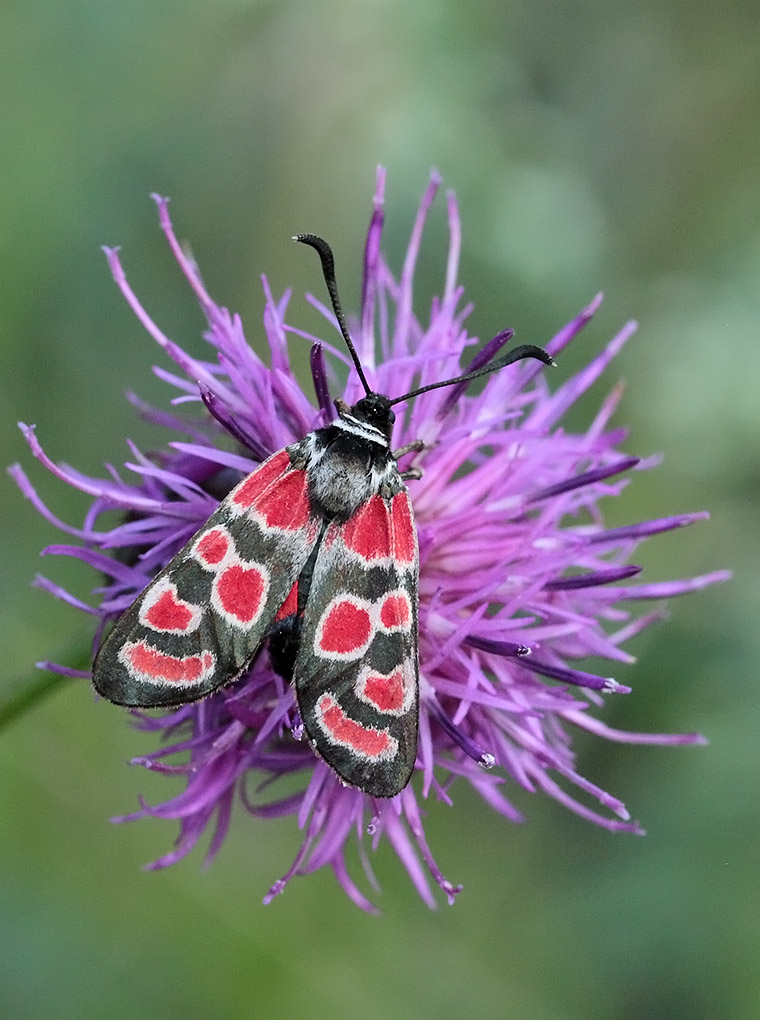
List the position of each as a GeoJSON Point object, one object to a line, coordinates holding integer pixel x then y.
{"type": "Point", "coordinates": [404, 532]}
{"type": "Point", "coordinates": [259, 480]}
{"type": "Point", "coordinates": [364, 741]}
{"type": "Point", "coordinates": [368, 532]}
{"type": "Point", "coordinates": [285, 504]}
{"type": "Point", "coordinates": [289, 606]}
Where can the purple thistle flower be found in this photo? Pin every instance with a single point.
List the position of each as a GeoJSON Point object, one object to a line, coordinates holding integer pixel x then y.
{"type": "Point", "coordinates": [519, 578]}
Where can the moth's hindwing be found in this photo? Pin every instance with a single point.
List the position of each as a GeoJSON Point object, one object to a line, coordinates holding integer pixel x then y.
{"type": "Point", "coordinates": [200, 621]}
{"type": "Point", "coordinates": [356, 670]}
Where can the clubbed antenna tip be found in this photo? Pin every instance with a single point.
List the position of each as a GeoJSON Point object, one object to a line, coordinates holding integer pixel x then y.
{"type": "Point", "coordinates": [327, 259]}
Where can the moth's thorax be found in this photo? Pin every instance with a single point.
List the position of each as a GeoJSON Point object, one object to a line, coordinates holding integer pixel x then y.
{"type": "Point", "coordinates": [350, 460]}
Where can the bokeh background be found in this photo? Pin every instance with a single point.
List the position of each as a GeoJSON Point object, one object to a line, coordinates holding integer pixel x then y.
{"type": "Point", "coordinates": [593, 145]}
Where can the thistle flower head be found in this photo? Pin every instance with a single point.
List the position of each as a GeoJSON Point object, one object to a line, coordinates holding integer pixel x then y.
{"type": "Point", "coordinates": [520, 579]}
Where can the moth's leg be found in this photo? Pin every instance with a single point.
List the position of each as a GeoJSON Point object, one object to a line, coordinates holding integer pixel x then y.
{"type": "Point", "coordinates": [416, 446]}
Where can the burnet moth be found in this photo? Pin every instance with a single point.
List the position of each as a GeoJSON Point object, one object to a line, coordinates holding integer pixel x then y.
{"type": "Point", "coordinates": [316, 551]}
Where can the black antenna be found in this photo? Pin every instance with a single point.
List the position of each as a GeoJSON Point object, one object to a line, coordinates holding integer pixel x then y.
{"type": "Point", "coordinates": [523, 351]}
{"type": "Point", "coordinates": [324, 251]}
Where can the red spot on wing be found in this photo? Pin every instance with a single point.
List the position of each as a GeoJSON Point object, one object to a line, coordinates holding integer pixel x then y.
{"type": "Point", "coordinates": [152, 664]}
{"type": "Point", "coordinates": [345, 629]}
{"type": "Point", "coordinates": [169, 613]}
{"type": "Point", "coordinates": [404, 534]}
{"type": "Point", "coordinates": [364, 740]}
{"type": "Point", "coordinates": [368, 532]}
{"type": "Point", "coordinates": [241, 592]}
{"type": "Point", "coordinates": [290, 605]}
{"type": "Point", "coordinates": [246, 494]}
{"type": "Point", "coordinates": [285, 503]}
{"type": "Point", "coordinates": [395, 611]}
{"type": "Point", "coordinates": [385, 692]}
{"type": "Point", "coordinates": [212, 547]}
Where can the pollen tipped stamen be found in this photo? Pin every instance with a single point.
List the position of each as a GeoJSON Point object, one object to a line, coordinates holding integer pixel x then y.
{"type": "Point", "coordinates": [506, 648]}
{"type": "Point", "coordinates": [470, 748]}
{"type": "Point", "coordinates": [576, 677]}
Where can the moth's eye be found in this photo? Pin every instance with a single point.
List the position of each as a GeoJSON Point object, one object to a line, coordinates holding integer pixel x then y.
{"type": "Point", "coordinates": [391, 416]}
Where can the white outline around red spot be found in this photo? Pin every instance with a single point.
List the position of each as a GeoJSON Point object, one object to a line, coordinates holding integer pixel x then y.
{"type": "Point", "coordinates": [320, 709]}
{"type": "Point", "coordinates": [408, 684]}
{"type": "Point", "coordinates": [373, 610]}
{"type": "Point", "coordinates": [155, 594]}
{"type": "Point", "coordinates": [205, 658]}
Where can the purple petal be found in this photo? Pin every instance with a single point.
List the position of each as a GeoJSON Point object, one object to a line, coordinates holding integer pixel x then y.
{"type": "Point", "coordinates": [586, 478]}
{"type": "Point", "coordinates": [319, 377]}
{"type": "Point", "coordinates": [236, 428]}
{"type": "Point", "coordinates": [592, 579]}
{"type": "Point", "coordinates": [54, 667]}
{"type": "Point", "coordinates": [645, 528]}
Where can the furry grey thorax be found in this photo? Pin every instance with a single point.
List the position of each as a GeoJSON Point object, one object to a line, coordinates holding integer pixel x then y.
{"type": "Point", "coordinates": [360, 462]}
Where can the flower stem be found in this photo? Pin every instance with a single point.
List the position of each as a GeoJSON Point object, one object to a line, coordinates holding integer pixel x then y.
{"type": "Point", "coordinates": [27, 692]}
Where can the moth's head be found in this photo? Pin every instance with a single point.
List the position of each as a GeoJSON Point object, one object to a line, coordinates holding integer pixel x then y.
{"type": "Point", "coordinates": [375, 409]}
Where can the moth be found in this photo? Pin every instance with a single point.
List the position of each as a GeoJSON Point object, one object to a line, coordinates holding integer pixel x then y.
{"type": "Point", "coordinates": [316, 553]}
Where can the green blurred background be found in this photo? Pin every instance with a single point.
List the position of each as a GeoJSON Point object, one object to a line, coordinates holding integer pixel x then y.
{"type": "Point", "coordinates": [592, 145]}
